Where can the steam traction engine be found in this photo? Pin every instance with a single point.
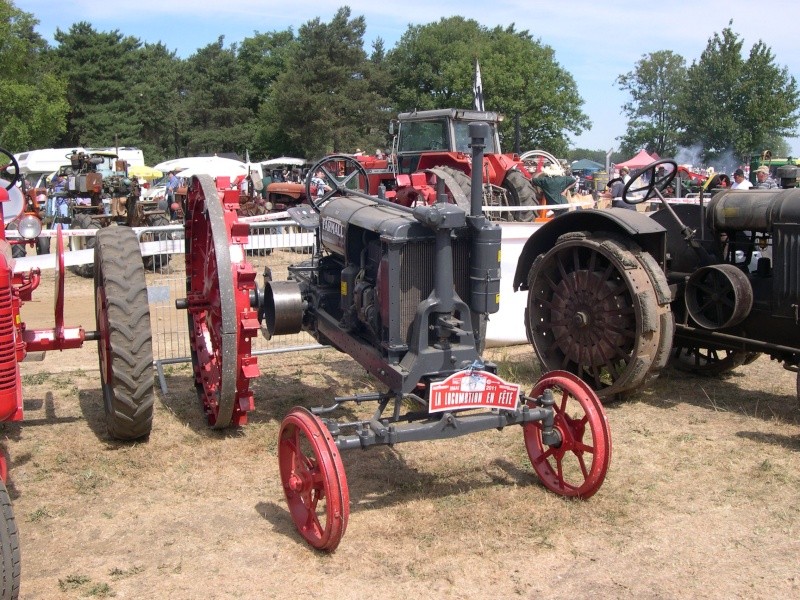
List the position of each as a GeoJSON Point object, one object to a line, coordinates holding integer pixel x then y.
{"type": "Point", "coordinates": [123, 336]}
{"type": "Point", "coordinates": [615, 295]}
{"type": "Point", "coordinates": [405, 292]}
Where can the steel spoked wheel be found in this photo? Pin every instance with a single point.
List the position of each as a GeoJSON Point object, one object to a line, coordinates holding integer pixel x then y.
{"type": "Point", "coordinates": [125, 348]}
{"type": "Point", "coordinates": [578, 465]}
{"type": "Point", "coordinates": [313, 479]}
{"type": "Point", "coordinates": [221, 321]}
{"type": "Point", "coordinates": [592, 311]}
{"type": "Point", "coordinates": [9, 547]}
{"type": "Point", "coordinates": [707, 361]}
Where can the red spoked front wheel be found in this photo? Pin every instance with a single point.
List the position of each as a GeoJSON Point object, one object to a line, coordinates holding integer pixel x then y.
{"type": "Point", "coordinates": [578, 465]}
{"type": "Point", "coordinates": [313, 479]}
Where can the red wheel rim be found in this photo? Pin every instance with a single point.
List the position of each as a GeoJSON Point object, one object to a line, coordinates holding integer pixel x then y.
{"type": "Point", "coordinates": [218, 286]}
{"type": "Point", "coordinates": [578, 466]}
{"type": "Point", "coordinates": [313, 479]}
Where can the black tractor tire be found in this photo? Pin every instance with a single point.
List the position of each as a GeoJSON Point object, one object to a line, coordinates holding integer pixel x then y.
{"type": "Point", "coordinates": [9, 548]}
{"type": "Point", "coordinates": [83, 221]}
{"type": "Point", "coordinates": [43, 245]}
{"type": "Point", "coordinates": [520, 193]}
{"type": "Point", "coordinates": [464, 182]}
{"type": "Point", "coordinates": [17, 250]}
{"type": "Point", "coordinates": [156, 262]}
{"type": "Point", "coordinates": [125, 348]}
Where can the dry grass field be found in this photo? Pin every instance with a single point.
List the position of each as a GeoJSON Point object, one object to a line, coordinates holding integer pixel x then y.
{"type": "Point", "coordinates": [701, 499]}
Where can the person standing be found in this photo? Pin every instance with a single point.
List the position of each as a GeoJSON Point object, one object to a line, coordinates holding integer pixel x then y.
{"type": "Point", "coordinates": [763, 179]}
{"type": "Point", "coordinates": [169, 195]}
{"type": "Point", "coordinates": [739, 182]}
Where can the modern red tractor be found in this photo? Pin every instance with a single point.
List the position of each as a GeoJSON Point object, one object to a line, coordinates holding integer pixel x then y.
{"type": "Point", "coordinates": [123, 335]}
{"type": "Point", "coordinates": [429, 146]}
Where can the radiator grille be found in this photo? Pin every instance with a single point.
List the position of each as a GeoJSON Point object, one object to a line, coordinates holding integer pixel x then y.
{"type": "Point", "coordinates": [417, 265]}
{"type": "Point", "coordinates": [786, 257]}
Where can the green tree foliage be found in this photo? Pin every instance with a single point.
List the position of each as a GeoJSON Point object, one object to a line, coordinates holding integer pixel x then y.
{"type": "Point", "coordinates": [326, 101]}
{"type": "Point", "coordinates": [157, 105]}
{"type": "Point", "coordinates": [217, 92]}
{"type": "Point", "coordinates": [654, 86]}
{"type": "Point", "coordinates": [33, 102]}
{"type": "Point", "coordinates": [738, 104]}
{"type": "Point", "coordinates": [263, 58]}
{"type": "Point", "coordinates": [99, 71]}
{"type": "Point", "coordinates": [432, 66]}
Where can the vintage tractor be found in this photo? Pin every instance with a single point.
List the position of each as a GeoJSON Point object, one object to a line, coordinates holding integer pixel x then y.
{"type": "Point", "coordinates": [123, 336]}
{"type": "Point", "coordinates": [614, 295]}
{"type": "Point", "coordinates": [403, 291]}
{"type": "Point", "coordinates": [90, 180]}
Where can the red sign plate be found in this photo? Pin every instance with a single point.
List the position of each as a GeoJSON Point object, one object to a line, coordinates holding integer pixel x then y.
{"type": "Point", "coordinates": [473, 389]}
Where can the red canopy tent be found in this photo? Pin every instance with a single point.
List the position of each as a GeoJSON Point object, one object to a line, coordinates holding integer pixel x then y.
{"type": "Point", "coordinates": [637, 162]}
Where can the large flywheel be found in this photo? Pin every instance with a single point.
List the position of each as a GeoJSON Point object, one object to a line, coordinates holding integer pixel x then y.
{"type": "Point", "coordinates": [219, 283]}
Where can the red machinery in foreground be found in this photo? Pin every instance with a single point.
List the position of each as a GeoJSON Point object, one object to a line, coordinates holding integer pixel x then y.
{"type": "Point", "coordinates": [123, 335]}
{"type": "Point", "coordinates": [406, 293]}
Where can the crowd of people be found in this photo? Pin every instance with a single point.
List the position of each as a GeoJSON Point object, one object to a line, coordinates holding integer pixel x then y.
{"type": "Point", "coordinates": [740, 181]}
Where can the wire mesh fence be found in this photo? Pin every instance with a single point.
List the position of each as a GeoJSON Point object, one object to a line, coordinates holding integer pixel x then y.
{"type": "Point", "coordinates": [274, 245]}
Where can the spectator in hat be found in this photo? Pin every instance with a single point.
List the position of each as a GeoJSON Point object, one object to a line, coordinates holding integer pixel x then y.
{"type": "Point", "coordinates": [763, 179]}
{"type": "Point", "coordinates": [625, 173]}
{"type": "Point", "coordinates": [739, 182]}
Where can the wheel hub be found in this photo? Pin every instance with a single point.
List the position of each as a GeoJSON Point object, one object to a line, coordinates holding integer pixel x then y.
{"type": "Point", "coordinates": [589, 317]}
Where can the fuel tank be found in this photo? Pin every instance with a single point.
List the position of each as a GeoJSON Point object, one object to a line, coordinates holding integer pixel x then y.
{"type": "Point", "coordinates": [753, 210]}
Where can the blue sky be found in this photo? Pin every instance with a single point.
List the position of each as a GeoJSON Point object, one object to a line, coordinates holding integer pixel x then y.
{"type": "Point", "coordinates": [594, 41]}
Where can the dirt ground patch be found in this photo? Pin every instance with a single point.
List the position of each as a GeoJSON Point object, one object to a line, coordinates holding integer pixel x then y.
{"type": "Point", "coordinates": [700, 500]}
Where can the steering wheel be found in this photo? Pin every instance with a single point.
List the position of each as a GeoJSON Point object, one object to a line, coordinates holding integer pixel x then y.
{"type": "Point", "coordinates": [340, 173]}
{"type": "Point", "coordinates": [656, 183]}
{"type": "Point", "coordinates": [15, 175]}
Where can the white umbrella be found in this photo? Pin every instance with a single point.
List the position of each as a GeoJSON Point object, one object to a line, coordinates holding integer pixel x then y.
{"type": "Point", "coordinates": [204, 164]}
{"type": "Point", "coordinates": [284, 160]}
{"type": "Point", "coordinates": [214, 170]}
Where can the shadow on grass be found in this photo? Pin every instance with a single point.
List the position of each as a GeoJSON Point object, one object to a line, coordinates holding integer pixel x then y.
{"type": "Point", "coordinates": [722, 393]}
{"type": "Point", "coordinates": [381, 479]}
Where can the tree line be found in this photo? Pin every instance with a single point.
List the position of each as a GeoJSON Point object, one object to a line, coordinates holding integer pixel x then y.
{"type": "Point", "coordinates": [317, 90]}
{"type": "Point", "coordinates": [724, 103]}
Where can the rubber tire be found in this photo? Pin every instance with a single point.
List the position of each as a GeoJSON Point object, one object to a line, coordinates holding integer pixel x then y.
{"type": "Point", "coordinates": [520, 193]}
{"type": "Point", "coordinates": [83, 221]}
{"type": "Point", "coordinates": [17, 250]}
{"type": "Point", "coordinates": [126, 335]}
{"type": "Point", "coordinates": [9, 548]}
{"type": "Point", "coordinates": [464, 182]}
{"type": "Point", "coordinates": [156, 262]}
{"type": "Point", "coordinates": [43, 245]}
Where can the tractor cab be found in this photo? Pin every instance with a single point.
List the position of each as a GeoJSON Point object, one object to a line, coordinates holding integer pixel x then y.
{"type": "Point", "coordinates": [433, 133]}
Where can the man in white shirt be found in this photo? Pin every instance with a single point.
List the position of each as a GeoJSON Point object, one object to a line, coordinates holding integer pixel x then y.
{"type": "Point", "coordinates": [739, 182]}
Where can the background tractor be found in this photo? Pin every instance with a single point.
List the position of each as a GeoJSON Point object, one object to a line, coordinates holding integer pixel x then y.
{"type": "Point", "coordinates": [123, 335]}
{"type": "Point", "coordinates": [97, 192]}
{"type": "Point", "coordinates": [430, 146]}
{"type": "Point", "coordinates": [614, 295]}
